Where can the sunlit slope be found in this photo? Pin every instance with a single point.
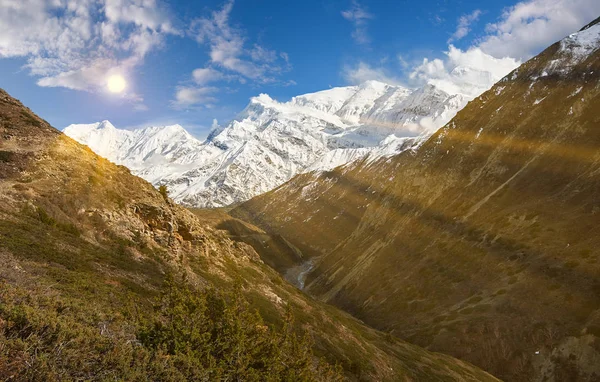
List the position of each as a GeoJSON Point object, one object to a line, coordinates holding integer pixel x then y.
{"type": "Point", "coordinates": [85, 247]}
{"type": "Point", "coordinates": [483, 244]}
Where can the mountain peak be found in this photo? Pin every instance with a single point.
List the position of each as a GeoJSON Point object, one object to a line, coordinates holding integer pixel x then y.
{"type": "Point", "coordinates": [582, 44]}
{"type": "Point", "coordinates": [595, 22]}
{"type": "Point", "coordinates": [166, 130]}
{"type": "Point", "coordinates": [263, 98]}
{"type": "Point", "coordinates": [374, 84]}
{"type": "Point", "coordinates": [105, 124]}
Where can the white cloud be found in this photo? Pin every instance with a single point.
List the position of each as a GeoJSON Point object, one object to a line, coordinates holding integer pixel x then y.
{"type": "Point", "coordinates": [530, 26]}
{"type": "Point", "coordinates": [467, 72]}
{"type": "Point", "coordinates": [186, 97]}
{"type": "Point", "coordinates": [359, 17]}
{"type": "Point", "coordinates": [364, 72]}
{"type": "Point", "coordinates": [140, 107]}
{"type": "Point", "coordinates": [464, 25]}
{"type": "Point", "coordinates": [259, 53]}
{"type": "Point", "coordinates": [521, 32]}
{"type": "Point", "coordinates": [230, 60]}
{"type": "Point", "coordinates": [143, 13]}
{"type": "Point", "coordinates": [403, 62]}
{"type": "Point", "coordinates": [77, 43]}
{"type": "Point", "coordinates": [204, 76]}
{"type": "Point", "coordinates": [84, 78]}
{"type": "Point", "coordinates": [228, 51]}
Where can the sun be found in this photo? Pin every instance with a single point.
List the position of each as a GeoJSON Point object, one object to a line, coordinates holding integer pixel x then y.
{"type": "Point", "coordinates": [116, 83]}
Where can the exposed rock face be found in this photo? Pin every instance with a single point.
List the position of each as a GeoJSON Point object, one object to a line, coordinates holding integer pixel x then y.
{"type": "Point", "coordinates": [483, 242]}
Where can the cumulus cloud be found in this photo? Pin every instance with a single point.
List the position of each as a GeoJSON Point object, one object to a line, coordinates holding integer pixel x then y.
{"type": "Point", "coordinates": [78, 43]}
{"type": "Point", "coordinates": [359, 18]}
{"type": "Point", "coordinates": [467, 72]}
{"type": "Point", "coordinates": [464, 25]}
{"type": "Point", "coordinates": [520, 32]}
{"type": "Point", "coordinates": [261, 54]}
{"type": "Point", "coordinates": [526, 28]}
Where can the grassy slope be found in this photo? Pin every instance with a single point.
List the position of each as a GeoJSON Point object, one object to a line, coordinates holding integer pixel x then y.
{"type": "Point", "coordinates": [85, 242]}
{"type": "Point", "coordinates": [483, 244]}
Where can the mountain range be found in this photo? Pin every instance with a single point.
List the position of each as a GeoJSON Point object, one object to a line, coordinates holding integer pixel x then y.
{"type": "Point", "coordinates": [270, 142]}
{"type": "Point", "coordinates": [372, 232]}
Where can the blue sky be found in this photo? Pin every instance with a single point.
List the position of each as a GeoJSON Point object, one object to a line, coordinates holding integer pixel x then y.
{"type": "Point", "coordinates": [190, 62]}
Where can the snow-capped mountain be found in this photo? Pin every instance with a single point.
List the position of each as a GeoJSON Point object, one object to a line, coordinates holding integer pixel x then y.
{"type": "Point", "coordinates": [270, 142]}
{"type": "Point", "coordinates": [138, 149]}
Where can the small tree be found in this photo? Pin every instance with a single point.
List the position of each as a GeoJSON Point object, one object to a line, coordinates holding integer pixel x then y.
{"type": "Point", "coordinates": [163, 191]}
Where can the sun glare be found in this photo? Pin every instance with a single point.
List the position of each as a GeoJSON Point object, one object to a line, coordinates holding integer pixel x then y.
{"type": "Point", "coordinates": [116, 83]}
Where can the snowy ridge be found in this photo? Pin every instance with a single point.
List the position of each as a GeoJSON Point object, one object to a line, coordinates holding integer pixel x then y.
{"type": "Point", "coordinates": [137, 149]}
{"type": "Point", "coordinates": [574, 49]}
{"type": "Point", "coordinates": [583, 43]}
{"type": "Point", "coordinates": [269, 142]}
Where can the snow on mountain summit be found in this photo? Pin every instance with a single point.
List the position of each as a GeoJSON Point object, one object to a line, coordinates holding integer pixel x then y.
{"type": "Point", "coordinates": [135, 148]}
{"type": "Point", "coordinates": [329, 101]}
{"type": "Point", "coordinates": [269, 142]}
{"type": "Point", "coordinates": [580, 45]}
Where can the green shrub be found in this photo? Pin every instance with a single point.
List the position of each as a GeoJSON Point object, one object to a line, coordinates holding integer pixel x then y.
{"type": "Point", "coordinates": [6, 156]}
{"type": "Point", "coordinates": [191, 335]}
{"type": "Point", "coordinates": [215, 335]}
{"type": "Point", "coordinates": [45, 217]}
{"type": "Point", "coordinates": [163, 191]}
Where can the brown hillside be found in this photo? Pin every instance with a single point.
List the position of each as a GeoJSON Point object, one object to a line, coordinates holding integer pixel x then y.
{"type": "Point", "coordinates": [483, 244]}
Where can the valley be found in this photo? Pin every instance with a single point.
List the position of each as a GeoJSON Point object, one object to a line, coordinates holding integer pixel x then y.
{"type": "Point", "coordinates": [482, 243]}
{"type": "Point", "coordinates": [87, 248]}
